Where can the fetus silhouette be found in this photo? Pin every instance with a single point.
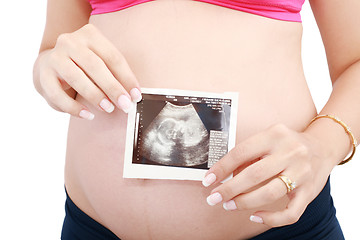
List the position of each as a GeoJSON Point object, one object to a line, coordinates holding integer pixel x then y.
{"type": "Point", "coordinates": [176, 137]}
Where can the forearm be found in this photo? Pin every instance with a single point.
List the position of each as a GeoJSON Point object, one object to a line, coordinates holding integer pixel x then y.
{"type": "Point", "coordinates": [344, 103]}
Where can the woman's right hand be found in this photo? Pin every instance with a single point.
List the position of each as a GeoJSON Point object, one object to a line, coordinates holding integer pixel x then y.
{"type": "Point", "coordinates": [85, 62]}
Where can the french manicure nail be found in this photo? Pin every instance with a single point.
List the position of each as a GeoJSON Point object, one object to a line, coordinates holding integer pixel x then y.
{"type": "Point", "coordinates": [214, 198]}
{"type": "Point", "coordinates": [256, 219]}
{"type": "Point", "coordinates": [86, 115]}
{"type": "Point", "coordinates": [107, 105]}
{"type": "Point", "coordinates": [230, 205]}
{"type": "Point", "coordinates": [125, 103]}
{"type": "Point", "coordinates": [135, 95]}
{"type": "Point", "coordinates": [209, 179]}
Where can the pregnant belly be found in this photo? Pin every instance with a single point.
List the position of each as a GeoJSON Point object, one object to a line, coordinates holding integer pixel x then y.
{"type": "Point", "coordinates": [195, 46]}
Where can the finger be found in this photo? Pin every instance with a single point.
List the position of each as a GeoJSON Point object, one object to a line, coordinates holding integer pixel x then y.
{"type": "Point", "coordinates": [251, 148]}
{"type": "Point", "coordinates": [95, 68]}
{"type": "Point", "coordinates": [291, 214]}
{"type": "Point", "coordinates": [98, 72]}
{"type": "Point", "coordinates": [250, 177]}
{"type": "Point", "coordinates": [77, 79]}
{"type": "Point", "coordinates": [55, 95]}
{"type": "Point", "coordinates": [269, 193]}
{"type": "Point", "coordinates": [114, 61]}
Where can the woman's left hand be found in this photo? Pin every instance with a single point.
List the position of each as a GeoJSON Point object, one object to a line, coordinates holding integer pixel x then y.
{"type": "Point", "coordinates": [260, 159]}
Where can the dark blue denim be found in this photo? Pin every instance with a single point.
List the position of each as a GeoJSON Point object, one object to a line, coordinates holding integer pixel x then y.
{"type": "Point", "coordinates": [79, 226]}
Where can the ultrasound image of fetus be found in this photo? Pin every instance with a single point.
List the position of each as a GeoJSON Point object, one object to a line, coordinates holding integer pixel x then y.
{"type": "Point", "coordinates": [176, 137]}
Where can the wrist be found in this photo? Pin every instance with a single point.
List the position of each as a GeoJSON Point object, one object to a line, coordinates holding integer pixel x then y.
{"type": "Point", "coordinates": [331, 138]}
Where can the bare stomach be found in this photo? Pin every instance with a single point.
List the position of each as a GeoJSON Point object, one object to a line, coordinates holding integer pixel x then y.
{"type": "Point", "coordinates": [196, 46]}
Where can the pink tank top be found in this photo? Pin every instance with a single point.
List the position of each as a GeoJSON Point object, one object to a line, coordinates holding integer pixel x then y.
{"type": "Point", "coordinates": [287, 10]}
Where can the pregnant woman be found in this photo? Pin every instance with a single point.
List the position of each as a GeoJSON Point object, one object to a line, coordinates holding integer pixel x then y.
{"type": "Point", "coordinates": [96, 55]}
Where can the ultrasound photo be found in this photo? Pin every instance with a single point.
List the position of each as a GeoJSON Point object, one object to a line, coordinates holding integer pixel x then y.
{"type": "Point", "coordinates": [176, 137]}
{"type": "Point", "coordinates": [174, 132]}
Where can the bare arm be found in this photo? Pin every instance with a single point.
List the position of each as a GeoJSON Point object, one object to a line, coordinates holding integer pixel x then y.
{"type": "Point", "coordinates": [65, 16]}
{"type": "Point", "coordinates": [75, 58]}
{"type": "Point", "coordinates": [339, 23]}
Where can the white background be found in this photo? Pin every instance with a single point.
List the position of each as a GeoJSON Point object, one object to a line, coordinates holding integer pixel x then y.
{"type": "Point", "coordinates": [33, 136]}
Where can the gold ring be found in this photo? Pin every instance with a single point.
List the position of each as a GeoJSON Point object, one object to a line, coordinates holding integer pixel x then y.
{"type": "Point", "coordinates": [290, 185]}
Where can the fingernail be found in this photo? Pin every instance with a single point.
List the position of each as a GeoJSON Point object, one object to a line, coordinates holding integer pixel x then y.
{"type": "Point", "coordinates": [107, 105]}
{"type": "Point", "coordinates": [135, 95]}
{"type": "Point", "coordinates": [230, 205]}
{"type": "Point", "coordinates": [209, 179]}
{"type": "Point", "coordinates": [214, 198]}
{"type": "Point", "coordinates": [86, 115]}
{"type": "Point", "coordinates": [125, 103]}
{"type": "Point", "coordinates": [256, 219]}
